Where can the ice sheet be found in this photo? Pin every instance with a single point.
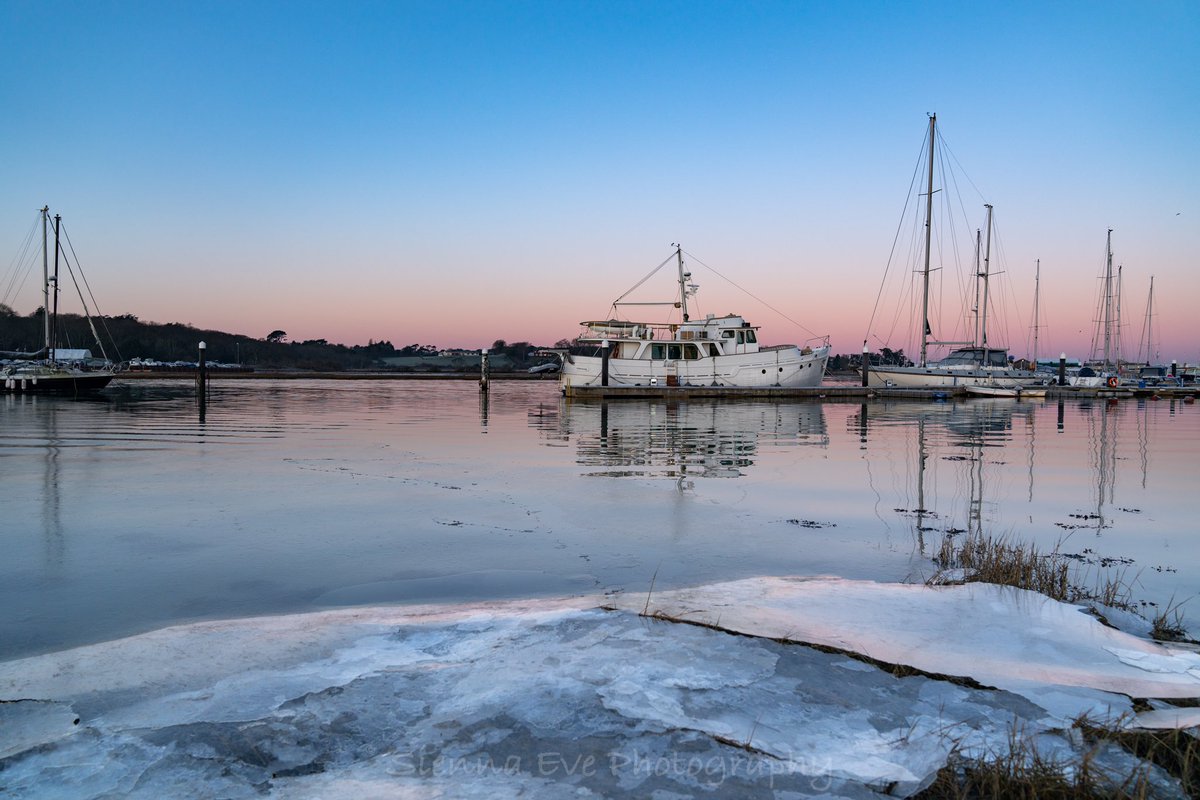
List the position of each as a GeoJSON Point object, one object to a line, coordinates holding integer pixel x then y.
{"type": "Point", "coordinates": [531, 698]}
{"type": "Point", "coordinates": [1000, 636]}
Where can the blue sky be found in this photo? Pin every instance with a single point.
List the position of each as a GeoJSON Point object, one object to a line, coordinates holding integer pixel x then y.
{"type": "Point", "coordinates": [452, 173]}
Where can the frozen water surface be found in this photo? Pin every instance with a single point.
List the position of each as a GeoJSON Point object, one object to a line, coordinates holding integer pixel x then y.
{"type": "Point", "coordinates": [550, 698]}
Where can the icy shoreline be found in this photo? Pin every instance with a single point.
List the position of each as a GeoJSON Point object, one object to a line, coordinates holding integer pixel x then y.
{"type": "Point", "coordinates": [549, 697]}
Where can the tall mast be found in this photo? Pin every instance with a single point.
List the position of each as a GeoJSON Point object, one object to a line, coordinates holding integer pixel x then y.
{"type": "Point", "coordinates": [683, 276]}
{"type": "Point", "coordinates": [1150, 359]}
{"type": "Point", "coordinates": [1037, 285]}
{"type": "Point", "coordinates": [1106, 316]}
{"type": "Point", "coordinates": [46, 279]}
{"type": "Point", "coordinates": [928, 237]}
{"type": "Point", "coordinates": [54, 326]}
{"type": "Point", "coordinates": [987, 255]}
{"type": "Point", "coordinates": [1117, 326]}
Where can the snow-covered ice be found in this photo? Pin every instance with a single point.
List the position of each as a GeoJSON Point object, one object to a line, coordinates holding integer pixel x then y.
{"type": "Point", "coordinates": [552, 698]}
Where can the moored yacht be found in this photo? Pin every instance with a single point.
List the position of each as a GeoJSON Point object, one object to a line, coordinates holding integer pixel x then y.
{"type": "Point", "coordinates": [713, 351]}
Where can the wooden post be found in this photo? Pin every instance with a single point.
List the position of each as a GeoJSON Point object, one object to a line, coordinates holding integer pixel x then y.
{"type": "Point", "coordinates": [866, 363]}
{"type": "Point", "coordinates": [483, 370]}
{"type": "Point", "coordinates": [1062, 369]}
{"type": "Point", "coordinates": [604, 354]}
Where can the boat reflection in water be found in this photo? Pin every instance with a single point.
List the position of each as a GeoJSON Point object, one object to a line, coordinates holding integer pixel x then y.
{"type": "Point", "coordinates": [664, 439]}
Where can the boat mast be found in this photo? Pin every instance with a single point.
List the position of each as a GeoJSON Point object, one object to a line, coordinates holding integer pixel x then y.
{"type": "Point", "coordinates": [1037, 285]}
{"type": "Point", "coordinates": [987, 255]}
{"type": "Point", "coordinates": [46, 279]}
{"type": "Point", "coordinates": [925, 329]}
{"type": "Point", "coordinates": [1106, 316]}
{"type": "Point", "coordinates": [683, 278]}
{"type": "Point", "coordinates": [54, 325]}
{"type": "Point", "coordinates": [1150, 325]}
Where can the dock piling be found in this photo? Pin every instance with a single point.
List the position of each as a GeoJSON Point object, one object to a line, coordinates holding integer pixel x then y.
{"type": "Point", "coordinates": [1062, 369]}
{"type": "Point", "coordinates": [604, 354]}
{"type": "Point", "coordinates": [202, 379]}
{"type": "Point", "coordinates": [483, 370]}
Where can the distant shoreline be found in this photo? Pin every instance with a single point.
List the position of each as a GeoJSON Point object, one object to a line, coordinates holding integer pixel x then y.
{"type": "Point", "coordinates": [216, 374]}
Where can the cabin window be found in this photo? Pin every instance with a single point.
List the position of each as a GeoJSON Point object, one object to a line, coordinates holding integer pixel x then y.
{"type": "Point", "coordinates": [726, 334]}
{"type": "Point", "coordinates": [658, 351]}
{"type": "Point", "coordinates": [691, 352]}
{"type": "Point", "coordinates": [673, 352]}
{"type": "Point", "coordinates": [750, 339]}
{"type": "Point", "coordinates": [741, 337]}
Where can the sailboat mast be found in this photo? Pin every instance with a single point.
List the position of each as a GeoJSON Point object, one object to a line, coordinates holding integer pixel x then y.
{"type": "Point", "coordinates": [928, 238]}
{"type": "Point", "coordinates": [987, 255]}
{"type": "Point", "coordinates": [682, 282]}
{"type": "Point", "coordinates": [1106, 316]}
{"type": "Point", "coordinates": [1117, 327]}
{"type": "Point", "coordinates": [1150, 359]}
{"type": "Point", "coordinates": [1037, 287]}
{"type": "Point", "coordinates": [46, 279]}
{"type": "Point", "coordinates": [54, 325]}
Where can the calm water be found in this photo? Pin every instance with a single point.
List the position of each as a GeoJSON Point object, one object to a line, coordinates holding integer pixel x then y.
{"type": "Point", "coordinates": [125, 513]}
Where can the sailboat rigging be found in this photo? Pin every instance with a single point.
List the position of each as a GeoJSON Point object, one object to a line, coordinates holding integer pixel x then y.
{"type": "Point", "coordinates": [974, 363]}
{"type": "Point", "coordinates": [53, 369]}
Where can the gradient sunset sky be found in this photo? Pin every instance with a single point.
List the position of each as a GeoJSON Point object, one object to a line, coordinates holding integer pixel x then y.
{"type": "Point", "coordinates": [451, 173]}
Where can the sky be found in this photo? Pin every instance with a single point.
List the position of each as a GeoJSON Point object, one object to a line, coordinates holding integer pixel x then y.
{"type": "Point", "coordinates": [452, 173]}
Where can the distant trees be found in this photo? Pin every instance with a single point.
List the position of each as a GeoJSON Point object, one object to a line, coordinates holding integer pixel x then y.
{"type": "Point", "coordinates": [276, 336]}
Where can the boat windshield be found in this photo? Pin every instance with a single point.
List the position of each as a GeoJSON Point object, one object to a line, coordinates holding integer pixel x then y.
{"type": "Point", "coordinates": [974, 356]}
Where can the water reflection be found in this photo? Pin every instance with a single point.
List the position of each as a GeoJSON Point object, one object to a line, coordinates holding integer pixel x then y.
{"type": "Point", "coordinates": [680, 440]}
{"type": "Point", "coordinates": [929, 440]}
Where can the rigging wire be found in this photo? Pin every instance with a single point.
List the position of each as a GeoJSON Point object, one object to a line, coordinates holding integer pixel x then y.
{"type": "Point", "coordinates": [21, 266]}
{"type": "Point", "coordinates": [752, 295]}
{"type": "Point", "coordinates": [634, 288]}
{"type": "Point", "coordinates": [895, 239]}
{"type": "Point", "coordinates": [95, 305]}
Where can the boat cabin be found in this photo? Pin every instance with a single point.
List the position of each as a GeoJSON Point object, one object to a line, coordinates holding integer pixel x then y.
{"type": "Point", "coordinates": [713, 336]}
{"type": "Point", "coordinates": [971, 357]}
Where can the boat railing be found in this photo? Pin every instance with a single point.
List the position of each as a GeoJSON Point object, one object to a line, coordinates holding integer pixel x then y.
{"type": "Point", "coordinates": [648, 331]}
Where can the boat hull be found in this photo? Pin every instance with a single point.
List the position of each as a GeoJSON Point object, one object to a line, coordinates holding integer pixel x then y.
{"type": "Point", "coordinates": [940, 378]}
{"type": "Point", "coordinates": [788, 367]}
{"type": "Point", "coordinates": [1016, 392]}
{"type": "Point", "coordinates": [58, 382]}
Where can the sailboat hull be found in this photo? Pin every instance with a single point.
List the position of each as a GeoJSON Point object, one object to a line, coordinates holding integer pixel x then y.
{"type": "Point", "coordinates": [942, 378]}
{"type": "Point", "coordinates": [47, 381]}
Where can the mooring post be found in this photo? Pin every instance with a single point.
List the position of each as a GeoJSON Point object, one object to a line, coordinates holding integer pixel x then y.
{"type": "Point", "coordinates": [483, 370]}
{"type": "Point", "coordinates": [604, 353]}
{"type": "Point", "coordinates": [1174, 368]}
{"type": "Point", "coordinates": [1062, 369]}
{"type": "Point", "coordinates": [202, 380]}
{"type": "Point", "coordinates": [866, 362]}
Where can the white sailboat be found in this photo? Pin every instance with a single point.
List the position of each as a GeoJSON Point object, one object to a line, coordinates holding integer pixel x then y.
{"type": "Point", "coordinates": [713, 351]}
{"type": "Point", "coordinates": [54, 369]}
{"type": "Point", "coordinates": [973, 363]}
